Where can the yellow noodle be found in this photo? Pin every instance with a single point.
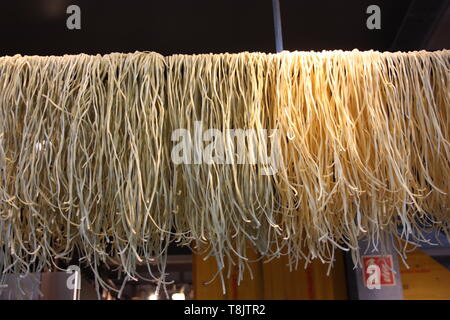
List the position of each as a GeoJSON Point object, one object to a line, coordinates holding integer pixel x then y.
{"type": "Point", "coordinates": [85, 156]}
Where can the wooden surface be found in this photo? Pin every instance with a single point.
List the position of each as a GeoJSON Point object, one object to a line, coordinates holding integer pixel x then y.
{"type": "Point", "coordinates": [425, 279]}
{"type": "Point", "coordinates": [271, 280]}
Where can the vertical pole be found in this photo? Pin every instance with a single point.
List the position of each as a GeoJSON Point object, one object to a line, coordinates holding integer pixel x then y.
{"type": "Point", "coordinates": [277, 25]}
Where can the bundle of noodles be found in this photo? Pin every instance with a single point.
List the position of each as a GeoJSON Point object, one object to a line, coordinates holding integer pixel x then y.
{"type": "Point", "coordinates": [83, 161]}
{"type": "Point", "coordinates": [367, 148]}
{"type": "Point", "coordinates": [224, 199]}
{"type": "Point", "coordinates": [90, 150]}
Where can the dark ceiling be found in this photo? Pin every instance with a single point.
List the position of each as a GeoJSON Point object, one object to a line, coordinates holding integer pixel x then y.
{"type": "Point", "coordinates": [202, 26]}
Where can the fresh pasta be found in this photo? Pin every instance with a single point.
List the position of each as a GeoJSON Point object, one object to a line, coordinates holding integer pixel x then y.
{"type": "Point", "coordinates": [362, 147]}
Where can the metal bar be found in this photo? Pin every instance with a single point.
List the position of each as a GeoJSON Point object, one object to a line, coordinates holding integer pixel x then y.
{"type": "Point", "coordinates": [277, 25]}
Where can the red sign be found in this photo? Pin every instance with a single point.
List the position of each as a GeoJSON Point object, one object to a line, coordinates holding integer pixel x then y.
{"type": "Point", "coordinates": [378, 271]}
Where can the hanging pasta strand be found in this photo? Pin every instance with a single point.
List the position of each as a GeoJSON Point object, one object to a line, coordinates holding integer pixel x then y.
{"type": "Point", "coordinates": [301, 154]}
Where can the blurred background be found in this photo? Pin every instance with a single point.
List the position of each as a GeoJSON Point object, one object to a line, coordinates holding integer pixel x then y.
{"type": "Point", "coordinates": [168, 27]}
{"type": "Point", "coordinates": [38, 27]}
